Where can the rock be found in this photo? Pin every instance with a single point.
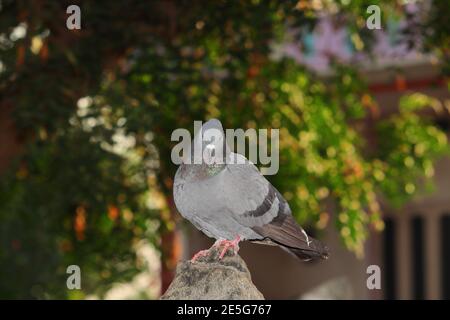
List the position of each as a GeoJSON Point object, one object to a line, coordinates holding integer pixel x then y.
{"type": "Point", "coordinates": [211, 278]}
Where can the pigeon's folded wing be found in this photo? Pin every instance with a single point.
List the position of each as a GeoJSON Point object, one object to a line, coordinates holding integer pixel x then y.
{"type": "Point", "coordinates": [285, 231]}
{"type": "Point", "coordinates": [252, 200]}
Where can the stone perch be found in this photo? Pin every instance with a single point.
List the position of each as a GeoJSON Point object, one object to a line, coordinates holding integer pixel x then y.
{"type": "Point", "coordinates": [214, 279]}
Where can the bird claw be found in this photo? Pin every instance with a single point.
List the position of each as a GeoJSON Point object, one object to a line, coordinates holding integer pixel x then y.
{"type": "Point", "coordinates": [226, 244]}
{"type": "Point", "coordinates": [199, 254]}
{"type": "Point", "coordinates": [234, 244]}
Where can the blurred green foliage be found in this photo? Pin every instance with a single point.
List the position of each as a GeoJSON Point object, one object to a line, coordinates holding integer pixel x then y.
{"type": "Point", "coordinates": [97, 107]}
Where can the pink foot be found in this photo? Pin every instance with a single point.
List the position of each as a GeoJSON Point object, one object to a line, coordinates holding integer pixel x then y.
{"type": "Point", "coordinates": [203, 253]}
{"type": "Point", "coordinates": [234, 244]}
{"type": "Point", "coordinates": [199, 254]}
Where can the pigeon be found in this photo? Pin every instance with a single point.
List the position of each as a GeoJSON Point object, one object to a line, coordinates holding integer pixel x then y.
{"type": "Point", "coordinates": [226, 197]}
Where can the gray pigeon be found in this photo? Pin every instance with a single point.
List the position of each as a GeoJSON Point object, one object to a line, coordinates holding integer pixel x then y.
{"type": "Point", "coordinates": [227, 198]}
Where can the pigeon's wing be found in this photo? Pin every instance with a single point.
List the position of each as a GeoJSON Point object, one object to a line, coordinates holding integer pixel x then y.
{"type": "Point", "coordinates": [255, 203]}
{"type": "Point", "coordinates": [285, 232]}
{"type": "Point", "coordinates": [250, 198]}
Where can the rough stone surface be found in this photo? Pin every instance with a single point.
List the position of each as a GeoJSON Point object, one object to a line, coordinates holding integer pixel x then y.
{"type": "Point", "coordinates": [211, 278]}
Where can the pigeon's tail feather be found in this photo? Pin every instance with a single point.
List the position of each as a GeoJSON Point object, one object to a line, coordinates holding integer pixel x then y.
{"type": "Point", "coordinates": [319, 252]}
{"type": "Point", "coordinates": [285, 232]}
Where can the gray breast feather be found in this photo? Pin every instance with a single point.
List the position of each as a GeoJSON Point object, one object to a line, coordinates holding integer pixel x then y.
{"type": "Point", "coordinates": [204, 204]}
